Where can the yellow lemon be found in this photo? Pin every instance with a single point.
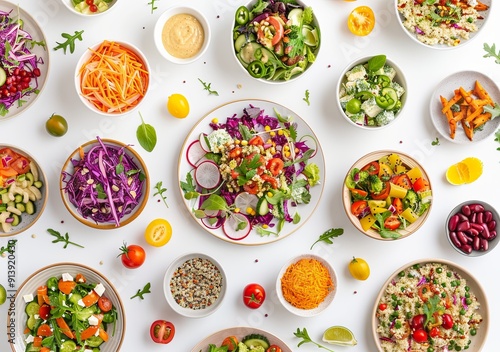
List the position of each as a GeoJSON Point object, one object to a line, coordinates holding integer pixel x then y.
{"type": "Point", "coordinates": [465, 171]}
{"type": "Point", "coordinates": [475, 167]}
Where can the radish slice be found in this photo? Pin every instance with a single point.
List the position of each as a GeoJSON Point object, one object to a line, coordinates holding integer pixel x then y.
{"type": "Point", "coordinates": [314, 146]}
{"type": "Point", "coordinates": [245, 200]}
{"type": "Point", "coordinates": [207, 174]}
{"type": "Point", "coordinates": [195, 153]}
{"type": "Point", "coordinates": [237, 226]}
{"type": "Point", "coordinates": [212, 223]}
{"type": "Point", "coordinates": [203, 142]}
{"type": "Point", "coordinates": [212, 213]}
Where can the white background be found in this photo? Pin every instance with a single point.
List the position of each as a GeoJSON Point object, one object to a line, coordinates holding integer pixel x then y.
{"type": "Point", "coordinates": [342, 144]}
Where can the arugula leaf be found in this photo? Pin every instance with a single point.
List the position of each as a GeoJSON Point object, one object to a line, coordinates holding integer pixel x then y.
{"type": "Point", "coordinates": [206, 86]}
{"type": "Point", "coordinates": [494, 111]}
{"type": "Point", "coordinates": [328, 235]}
{"type": "Point", "coordinates": [307, 154]}
{"type": "Point", "coordinates": [188, 185]}
{"type": "Point", "coordinates": [153, 7]}
{"type": "Point", "coordinates": [146, 135]}
{"type": "Point", "coordinates": [160, 191]}
{"type": "Point", "coordinates": [62, 238]}
{"type": "Point", "coordinates": [306, 97]}
{"type": "Point", "coordinates": [491, 52]}
{"type": "Point", "coordinates": [141, 293]}
{"type": "Point", "coordinates": [264, 232]}
{"type": "Point", "coordinates": [70, 41]}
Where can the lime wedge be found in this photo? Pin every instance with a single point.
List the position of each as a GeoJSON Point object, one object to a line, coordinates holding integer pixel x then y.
{"type": "Point", "coordinates": [311, 37]}
{"type": "Point", "coordinates": [3, 295]}
{"type": "Point", "coordinates": [339, 335]}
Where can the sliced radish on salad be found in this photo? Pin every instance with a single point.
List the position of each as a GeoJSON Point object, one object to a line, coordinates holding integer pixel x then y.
{"type": "Point", "coordinates": [311, 141]}
{"type": "Point", "coordinates": [246, 202]}
{"type": "Point", "coordinates": [212, 223]}
{"type": "Point", "coordinates": [204, 143]}
{"type": "Point", "coordinates": [237, 226]}
{"type": "Point", "coordinates": [207, 174]}
{"type": "Point", "coordinates": [195, 153]}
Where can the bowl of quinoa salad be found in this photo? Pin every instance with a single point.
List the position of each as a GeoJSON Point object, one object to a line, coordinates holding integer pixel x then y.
{"type": "Point", "coordinates": [194, 285]}
{"type": "Point", "coordinates": [441, 24]}
{"type": "Point", "coordinates": [430, 305]}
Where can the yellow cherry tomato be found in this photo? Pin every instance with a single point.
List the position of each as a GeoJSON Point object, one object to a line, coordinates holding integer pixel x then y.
{"type": "Point", "coordinates": [359, 268]}
{"type": "Point", "coordinates": [158, 232]}
{"type": "Point", "coordinates": [56, 125]}
{"type": "Point", "coordinates": [178, 106]}
{"type": "Point", "coordinates": [361, 20]}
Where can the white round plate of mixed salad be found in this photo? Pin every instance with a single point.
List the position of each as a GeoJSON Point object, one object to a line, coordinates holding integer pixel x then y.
{"type": "Point", "coordinates": [251, 172]}
{"type": "Point", "coordinates": [430, 305]}
{"type": "Point", "coordinates": [253, 340]}
{"type": "Point", "coordinates": [63, 306]}
{"type": "Point", "coordinates": [24, 60]}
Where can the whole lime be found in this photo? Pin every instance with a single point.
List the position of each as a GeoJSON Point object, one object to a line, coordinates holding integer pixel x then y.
{"type": "Point", "coordinates": [3, 295]}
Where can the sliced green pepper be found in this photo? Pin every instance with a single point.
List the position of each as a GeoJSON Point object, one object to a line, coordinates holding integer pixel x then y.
{"type": "Point", "coordinates": [384, 101]}
{"type": "Point", "coordinates": [257, 69]}
{"type": "Point", "coordinates": [242, 15]}
{"type": "Point", "coordinates": [383, 80]}
{"type": "Point", "coordinates": [364, 95]}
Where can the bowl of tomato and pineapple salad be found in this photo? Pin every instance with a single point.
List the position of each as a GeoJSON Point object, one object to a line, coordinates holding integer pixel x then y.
{"type": "Point", "coordinates": [35, 291]}
{"type": "Point", "coordinates": [387, 195]}
{"type": "Point", "coordinates": [123, 177]}
{"type": "Point", "coordinates": [266, 40]}
{"type": "Point", "coordinates": [23, 190]}
{"type": "Point", "coordinates": [101, 66]}
{"type": "Point", "coordinates": [90, 8]}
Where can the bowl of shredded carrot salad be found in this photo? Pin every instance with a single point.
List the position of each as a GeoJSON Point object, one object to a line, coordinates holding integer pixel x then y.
{"type": "Point", "coordinates": [306, 285]}
{"type": "Point", "coordinates": [112, 78]}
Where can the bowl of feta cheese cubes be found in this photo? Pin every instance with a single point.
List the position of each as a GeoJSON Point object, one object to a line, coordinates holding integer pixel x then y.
{"type": "Point", "coordinates": [371, 92]}
{"type": "Point", "coordinates": [71, 302]}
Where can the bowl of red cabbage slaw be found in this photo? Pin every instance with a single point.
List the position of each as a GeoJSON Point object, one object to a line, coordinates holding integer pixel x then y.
{"type": "Point", "coordinates": [24, 60]}
{"type": "Point", "coordinates": [104, 184]}
{"type": "Point", "coordinates": [251, 172]}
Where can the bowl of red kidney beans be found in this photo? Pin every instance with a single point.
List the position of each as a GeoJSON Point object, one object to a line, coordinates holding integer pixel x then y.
{"type": "Point", "coordinates": [471, 228]}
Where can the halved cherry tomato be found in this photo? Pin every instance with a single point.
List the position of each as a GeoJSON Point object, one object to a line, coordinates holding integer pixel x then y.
{"type": "Point", "coordinates": [256, 140]}
{"type": "Point", "coordinates": [162, 331]}
{"type": "Point", "coordinates": [421, 185]}
{"type": "Point", "coordinates": [420, 336]}
{"type": "Point", "coordinates": [274, 348]}
{"type": "Point", "coordinates": [251, 187]}
{"type": "Point", "coordinates": [435, 332]}
{"type": "Point", "coordinates": [392, 222]}
{"type": "Point", "coordinates": [372, 168]}
{"type": "Point", "coordinates": [384, 193]}
{"type": "Point", "coordinates": [358, 207]}
{"type": "Point", "coordinates": [104, 304]}
{"type": "Point", "coordinates": [254, 295]}
{"type": "Point", "coordinates": [361, 21]}
{"type": "Point", "coordinates": [358, 193]}
{"type": "Point", "coordinates": [276, 29]}
{"type": "Point", "coordinates": [402, 180]}
{"type": "Point", "coordinates": [44, 330]}
{"type": "Point", "coordinates": [44, 311]}
{"type": "Point", "coordinates": [231, 342]}
{"type": "Point", "coordinates": [235, 152]}
{"type": "Point", "coordinates": [271, 180]}
{"type": "Point", "coordinates": [21, 165]}
{"type": "Point", "coordinates": [398, 205]}
{"type": "Point", "coordinates": [275, 165]}
{"type": "Point", "coordinates": [158, 232]}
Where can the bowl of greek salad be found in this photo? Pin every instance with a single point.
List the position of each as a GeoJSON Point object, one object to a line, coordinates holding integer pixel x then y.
{"type": "Point", "coordinates": [104, 184]}
{"type": "Point", "coordinates": [251, 172]}
{"type": "Point", "coordinates": [24, 60]}
{"type": "Point", "coordinates": [371, 92]}
{"type": "Point", "coordinates": [23, 190]}
{"type": "Point", "coordinates": [275, 42]}
{"type": "Point", "coordinates": [66, 305]}
{"type": "Point", "coordinates": [89, 8]}
{"type": "Point", "coordinates": [387, 195]}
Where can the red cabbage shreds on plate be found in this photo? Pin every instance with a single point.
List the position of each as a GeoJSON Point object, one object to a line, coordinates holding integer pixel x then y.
{"type": "Point", "coordinates": [19, 67]}
{"type": "Point", "coordinates": [105, 185]}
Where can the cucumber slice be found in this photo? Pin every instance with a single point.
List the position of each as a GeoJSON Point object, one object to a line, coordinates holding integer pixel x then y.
{"type": "Point", "coordinates": [3, 76]}
{"type": "Point", "coordinates": [68, 346]}
{"type": "Point", "coordinates": [262, 206]}
{"type": "Point", "coordinates": [94, 341]}
{"type": "Point", "coordinates": [30, 323]}
{"type": "Point", "coordinates": [256, 342]}
{"type": "Point", "coordinates": [17, 219]}
{"type": "Point", "coordinates": [32, 308]}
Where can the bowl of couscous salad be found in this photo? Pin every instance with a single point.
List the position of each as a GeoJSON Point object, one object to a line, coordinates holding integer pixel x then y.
{"type": "Point", "coordinates": [430, 305]}
{"type": "Point", "coordinates": [442, 24]}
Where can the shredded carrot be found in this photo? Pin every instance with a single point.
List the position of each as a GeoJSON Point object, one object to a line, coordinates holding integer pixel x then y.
{"type": "Point", "coordinates": [114, 79]}
{"type": "Point", "coordinates": [306, 283]}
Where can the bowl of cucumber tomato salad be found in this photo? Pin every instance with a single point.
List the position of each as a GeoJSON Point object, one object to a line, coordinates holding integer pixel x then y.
{"type": "Point", "coordinates": [89, 7]}
{"type": "Point", "coordinates": [275, 42]}
{"type": "Point", "coordinates": [67, 307]}
{"type": "Point", "coordinates": [371, 92]}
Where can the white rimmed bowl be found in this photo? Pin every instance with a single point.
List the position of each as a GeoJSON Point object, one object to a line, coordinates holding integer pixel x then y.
{"type": "Point", "coordinates": [145, 79]}
{"type": "Point", "coordinates": [40, 277]}
{"type": "Point", "coordinates": [22, 185]}
{"type": "Point", "coordinates": [83, 10]}
{"type": "Point", "coordinates": [68, 169]}
{"type": "Point", "coordinates": [341, 92]}
{"type": "Point", "coordinates": [181, 34]}
{"type": "Point", "coordinates": [219, 280]}
{"type": "Point", "coordinates": [324, 304]}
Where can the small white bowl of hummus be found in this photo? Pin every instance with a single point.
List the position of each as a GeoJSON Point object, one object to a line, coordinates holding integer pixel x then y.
{"type": "Point", "coordinates": [182, 34]}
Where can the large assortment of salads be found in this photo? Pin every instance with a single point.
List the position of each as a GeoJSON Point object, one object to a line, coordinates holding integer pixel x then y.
{"type": "Point", "coordinates": [251, 171]}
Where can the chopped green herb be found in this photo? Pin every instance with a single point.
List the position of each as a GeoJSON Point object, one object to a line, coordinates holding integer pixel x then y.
{"type": "Point", "coordinates": [491, 52]}
{"type": "Point", "coordinates": [207, 87]}
{"type": "Point", "coordinates": [141, 293]}
{"type": "Point", "coordinates": [160, 192]}
{"type": "Point", "coordinates": [306, 97]}
{"type": "Point", "coordinates": [328, 235]}
{"type": "Point", "coordinates": [62, 238]}
{"type": "Point", "coordinates": [435, 142]}
{"type": "Point", "coordinates": [153, 7]}
{"type": "Point", "coordinates": [70, 41]}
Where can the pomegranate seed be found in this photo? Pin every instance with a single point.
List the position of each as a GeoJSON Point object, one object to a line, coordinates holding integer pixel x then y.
{"type": "Point", "coordinates": [13, 89]}
{"type": "Point", "coordinates": [37, 72]}
{"type": "Point", "coordinates": [25, 85]}
{"type": "Point", "coordinates": [16, 72]}
{"type": "Point", "coordinates": [26, 79]}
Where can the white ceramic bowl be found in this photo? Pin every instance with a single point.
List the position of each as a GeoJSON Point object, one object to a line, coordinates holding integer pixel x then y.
{"type": "Point", "coordinates": [218, 279]}
{"type": "Point", "coordinates": [111, 4]}
{"type": "Point", "coordinates": [324, 304]}
{"type": "Point", "coordinates": [31, 26]}
{"type": "Point", "coordinates": [409, 26]}
{"type": "Point", "coordinates": [470, 251]}
{"type": "Point", "coordinates": [276, 77]}
{"type": "Point", "coordinates": [399, 79]}
{"type": "Point", "coordinates": [38, 200]}
{"type": "Point", "coordinates": [406, 161]}
{"type": "Point", "coordinates": [183, 32]}
{"type": "Point", "coordinates": [68, 169]}
{"type": "Point", "coordinates": [40, 277]}
{"type": "Point", "coordinates": [144, 70]}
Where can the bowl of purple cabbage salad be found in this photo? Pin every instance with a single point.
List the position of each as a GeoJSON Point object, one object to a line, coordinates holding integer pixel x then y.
{"type": "Point", "coordinates": [24, 60]}
{"type": "Point", "coordinates": [104, 184]}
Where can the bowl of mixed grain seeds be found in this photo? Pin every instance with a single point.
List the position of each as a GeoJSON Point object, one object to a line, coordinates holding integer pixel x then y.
{"type": "Point", "coordinates": [194, 285]}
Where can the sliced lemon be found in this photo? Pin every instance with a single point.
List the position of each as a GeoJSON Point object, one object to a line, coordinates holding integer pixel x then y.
{"type": "Point", "coordinates": [311, 37]}
{"type": "Point", "coordinates": [457, 174]}
{"type": "Point", "coordinates": [339, 335]}
{"type": "Point", "coordinates": [475, 167]}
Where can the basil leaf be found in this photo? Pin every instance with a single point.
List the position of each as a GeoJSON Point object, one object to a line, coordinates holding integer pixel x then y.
{"type": "Point", "coordinates": [214, 202]}
{"type": "Point", "coordinates": [146, 135]}
{"type": "Point", "coordinates": [376, 63]}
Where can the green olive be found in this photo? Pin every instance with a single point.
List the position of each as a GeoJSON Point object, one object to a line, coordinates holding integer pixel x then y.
{"type": "Point", "coordinates": [353, 106]}
{"type": "Point", "coordinates": [56, 125]}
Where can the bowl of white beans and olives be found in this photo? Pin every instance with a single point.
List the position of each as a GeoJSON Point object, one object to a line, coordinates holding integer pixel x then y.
{"type": "Point", "coordinates": [471, 228]}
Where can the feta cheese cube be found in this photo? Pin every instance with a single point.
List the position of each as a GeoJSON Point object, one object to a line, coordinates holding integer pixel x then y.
{"type": "Point", "coordinates": [28, 298]}
{"type": "Point", "coordinates": [29, 339]}
{"type": "Point", "coordinates": [67, 277]}
{"type": "Point", "coordinates": [99, 289]}
{"type": "Point", "coordinates": [80, 303]}
{"type": "Point", "coordinates": [93, 320]}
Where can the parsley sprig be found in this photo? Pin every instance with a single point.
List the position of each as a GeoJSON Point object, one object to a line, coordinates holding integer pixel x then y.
{"type": "Point", "coordinates": [207, 87]}
{"type": "Point", "coordinates": [141, 293]}
{"type": "Point", "coordinates": [62, 238]}
{"type": "Point", "coordinates": [70, 41]}
{"type": "Point", "coordinates": [306, 97]}
{"type": "Point", "coordinates": [304, 335]}
{"type": "Point", "coordinates": [160, 190]}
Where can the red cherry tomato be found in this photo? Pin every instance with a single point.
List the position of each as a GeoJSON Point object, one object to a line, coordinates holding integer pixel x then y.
{"type": "Point", "coordinates": [162, 331]}
{"type": "Point", "coordinates": [231, 342]}
{"type": "Point", "coordinates": [275, 165]}
{"type": "Point", "coordinates": [402, 180]}
{"type": "Point", "coordinates": [382, 306]}
{"type": "Point", "coordinates": [421, 185]}
{"type": "Point", "coordinates": [420, 336]}
{"type": "Point", "coordinates": [447, 321]}
{"type": "Point", "coordinates": [21, 165]}
{"type": "Point", "coordinates": [417, 322]}
{"type": "Point", "coordinates": [384, 193]}
{"type": "Point", "coordinates": [132, 256]}
{"type": "Point", "coordinates": [254, 295]}
{"type": "Point", "coordinates": [392, 222]}
{"type": "Point", "coordinates": [105, 304]}
{"type": "Point", "coordinates": [435, 332]}
{"type": "Point", "coordinates": [44, 311]}
{"type": "Point", "coordinates": [274, 348]}
{"type": "Point", "coordinates": [373, 168]}
{"type": "Point", "coordinates": [358, 207]}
